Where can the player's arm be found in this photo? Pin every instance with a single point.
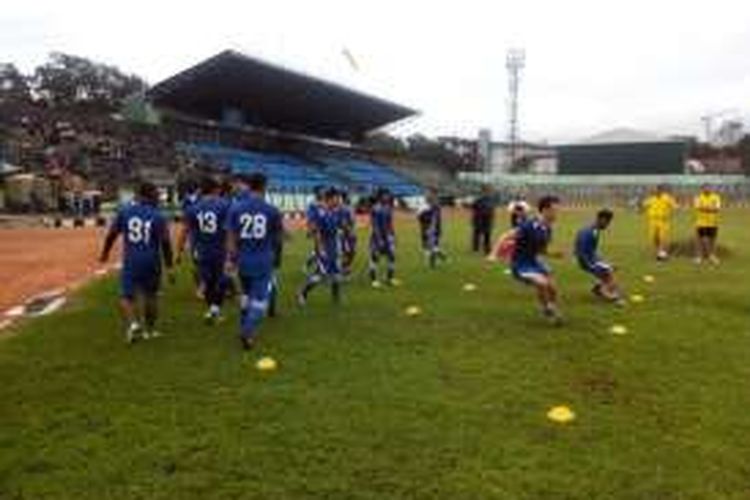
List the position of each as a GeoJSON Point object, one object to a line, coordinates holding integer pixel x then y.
{"type": "Point", "coordinates": [109, 241]}
{"type": "Point", "coordinates": [166, 246]}
{"type": "Point", "coordinates": [182, 237]}
{"type": "Point", "coordinates": [231, 242]}
{"type": "Point", "coordinates": [278, 235]}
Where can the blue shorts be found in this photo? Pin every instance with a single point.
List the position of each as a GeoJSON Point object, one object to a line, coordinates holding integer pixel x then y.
{"type": "Point", "coordinates": [211, 270]}
{"type": "Point", "coordinates": [139, 279]}
{"type": "Point", "coordinates": [523, 271]}
{"type": "Point", "coordinates": [257, 291]}
{"type": "Point", "coordinates": [600, 269]}
{"type": "Point", "coordinates": [349, 244]}
{"type": "Point", "coordinates": [328, 264]}
{"type": "Point", "coordinates": [382, 246]}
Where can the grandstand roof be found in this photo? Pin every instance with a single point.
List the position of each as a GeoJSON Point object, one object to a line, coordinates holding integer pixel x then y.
{"type": "Point", "coordinates": [274, 97]}
{"type": "Point", "coordinates": [625, 135]}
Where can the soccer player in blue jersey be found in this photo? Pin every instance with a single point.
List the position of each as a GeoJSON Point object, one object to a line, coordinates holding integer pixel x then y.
{"type": "Point", "coordinates": [254, 228]}
{"type": "Point", "coordinates": [312, 213]}
{"type": "Point", "coordinates": [190, 195]}
{"type": "Point", "coordinates": [431, 228]}
{"type": "Point", "coordinates": [531, 240]}
{"type": "Point", "coordinates": [204, 225]}
{"type": "Point", "coordinates": [348, 234]}
{"type": "Point", "coordinates": [382, 237]}
{"type": "Point", "coordinates": [146, 243]}
{"type": "Point", "coordinates": [327, 234]}
{"type": "Point", "coordinates": [586, 251]}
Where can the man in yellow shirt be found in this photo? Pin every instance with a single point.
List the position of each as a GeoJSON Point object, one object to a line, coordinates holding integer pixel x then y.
{"type": "Point", "coordinates": [659, 209]}
{"type": "Point", "coordinates": [707, 206]}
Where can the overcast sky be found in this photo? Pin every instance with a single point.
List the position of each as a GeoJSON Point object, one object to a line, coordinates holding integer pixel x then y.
{"type": "Point", "coordinates": [591, 65]}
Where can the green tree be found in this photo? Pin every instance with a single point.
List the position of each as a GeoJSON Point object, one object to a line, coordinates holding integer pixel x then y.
{"type": "Point", "coordinates": [67, 80]}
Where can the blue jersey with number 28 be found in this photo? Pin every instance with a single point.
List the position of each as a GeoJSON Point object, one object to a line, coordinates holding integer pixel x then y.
{"type": "Point", "coordinates": [257, 227]}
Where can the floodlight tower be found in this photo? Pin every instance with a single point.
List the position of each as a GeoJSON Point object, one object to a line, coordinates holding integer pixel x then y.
{"type": "Point", "coordinates": [515, 60]}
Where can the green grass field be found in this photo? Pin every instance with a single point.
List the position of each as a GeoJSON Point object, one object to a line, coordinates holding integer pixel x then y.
{"type": "Point", "coordinates": [368, 403]}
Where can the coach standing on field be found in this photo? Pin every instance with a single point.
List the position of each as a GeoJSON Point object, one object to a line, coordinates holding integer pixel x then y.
{"type": "Point", "coordinates": [482, 220]}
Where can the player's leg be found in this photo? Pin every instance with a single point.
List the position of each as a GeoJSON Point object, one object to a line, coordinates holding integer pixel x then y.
{"type": "Point", "coordinates": [664, 233]}
{"type": "Point", "coordinates": [712, 236]}
{"type": "Point", "coordinates": [128, 306]}
{"type": "Point", "coordinates": [390, 256]}
{"type": "Point", "coordinates": [486, 239]}
{"type": "Point", "coordinates": [373, 264]}
{"type": "Point", "coordinates": [476, 236]}
{"type": "Point", "coordinates": [273, 297]}
{"type": "Point", "coordinates": [313, 279]}
{"type": "Point", "coordinates": [149, 290]}
{"type": "Point", "coordinates": [212, 274]}
{"type": "Point", "coordinates": [253, 306]}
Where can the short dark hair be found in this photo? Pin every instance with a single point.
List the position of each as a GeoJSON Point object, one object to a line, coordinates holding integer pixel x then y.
{"type": "Point", "coordinates": [209, 185]}
{"type": "Point", "coordinates": [148, 191]}
{"type": "Point", "coordinates": [329, 193]}
{"type": "Point", "coordinates": [547, 201]}
{"type": "Point", "coordinates": [257, 182]}
{"type": "Point", "coordinates": [605, 214]}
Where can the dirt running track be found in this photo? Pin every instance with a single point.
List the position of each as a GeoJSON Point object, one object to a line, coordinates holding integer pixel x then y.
{"type": "Point", "coordinates": [33, 261]}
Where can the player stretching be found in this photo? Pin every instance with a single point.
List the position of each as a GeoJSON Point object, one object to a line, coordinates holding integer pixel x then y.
{"type": "Point", "coordinates": [659, 208]}
{"type": "Point", "coordinates": [204, 227]}
{"type": "Point", "coordinates": [529, 240]}
{"type": "Point", "coordinates": [327, 243]}
{"type": "Point", "coordinates": [382, 238]}
{"type": "Point", "coordinates": [146, 242]}
{"type": "Point", "coordinates": [348, 235]}
{"type": "Point", "coordinates": [254, 228]}
{"type": "Point", "coordinates": [587, 243]}
{"type": "Point", "coordinates": [431, 228]}
{"type": "Point", "coordinates": [707, 206]}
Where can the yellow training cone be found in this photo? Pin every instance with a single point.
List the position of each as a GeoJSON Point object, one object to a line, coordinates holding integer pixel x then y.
{"type": "Point", "coordinates": [637, 298]}
{"type": "Point", "coordinates": [618, 330]}
{"type": "Point", "coordinates": [413, 311]}
{"type": "Point", "coordinates": [561, 414]}
{"type": "Point", "coordinates": [470, 287]}
{"type": "Point", "coordinates": [266, 364]}
{"type": "Point", "coordinates": [649, 278]}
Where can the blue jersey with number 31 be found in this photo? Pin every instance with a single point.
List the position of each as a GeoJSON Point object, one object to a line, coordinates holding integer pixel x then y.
{"type": "Point", "coordinates": [257, 227]}
{"type": "Point", "coordinates": [143, 229]}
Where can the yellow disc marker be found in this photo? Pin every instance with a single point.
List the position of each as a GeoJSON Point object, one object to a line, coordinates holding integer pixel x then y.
{"type": "Point", "coordinates": [637, 298]}
{"type": "Point", "coordinates": [470, 287]}
{"type": "Point", "coordinates": [649, 278]}
{"type": "Point", "coordinates": [618, 330]}
{"type": "Point", "coordinates": [413, 311]}
{"type": "Point", "coordinates": [266, 364]}
{"type": "Point", "coordinates": [561, 414]}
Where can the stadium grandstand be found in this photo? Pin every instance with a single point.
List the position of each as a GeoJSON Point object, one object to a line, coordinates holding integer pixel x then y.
{"type": "Point", "coordinates": [239, 115]}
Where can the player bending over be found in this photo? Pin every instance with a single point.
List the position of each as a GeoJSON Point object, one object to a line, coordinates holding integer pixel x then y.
{"type": "Point", "coordinates": [587, 243]}
{"type": "Point", "coordinates": [528, 241]}
{"type": "Point", "coordinates": [146, 242]}
{"type": "Point", "coordinates": [204, 226]}
{"type": "Point", "coordinates": [328, 266]}
{"type": "Point", "coordinates": [382, 237]}
{"type": "Point", "coordinates": [254, 228]}
{"type": "Point", "coordinates": [431, 229]}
